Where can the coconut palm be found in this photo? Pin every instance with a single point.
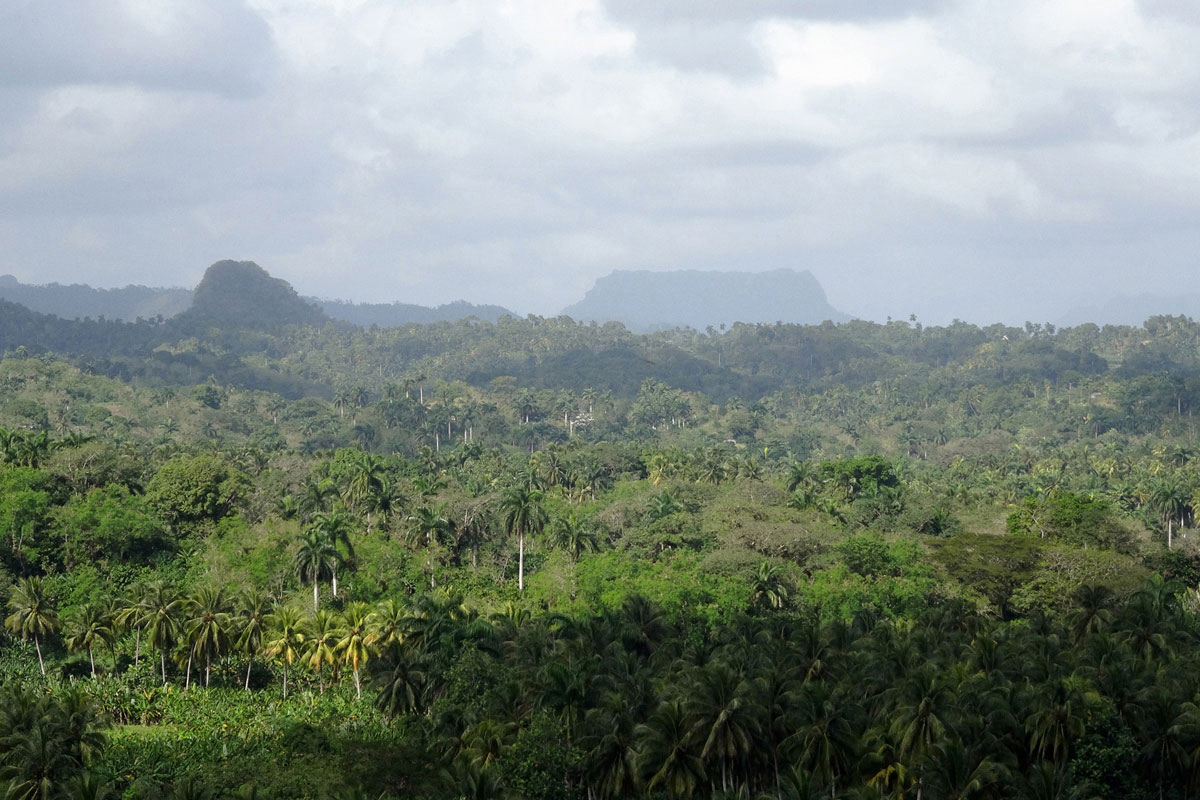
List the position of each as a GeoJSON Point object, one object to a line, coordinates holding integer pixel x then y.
{"type": "Point", "coordinates": [251, 623]}
{"type": "Point", "coordinates": [354, 647]}
{"type": "Point", "coordinates": [207, 628]}
{"type": "Point", "coordinates": [88, 626]}
{"type": "Point", "coordinates": [666, 755]}
{"type": "Point", "coordinates": [33, 615]}
{"type": "Point", "coordinates": [285, 638]}
{"type": "Point", "coordinates": [162, 617]}
{"type": "Point", "coordinates": [321, 632]}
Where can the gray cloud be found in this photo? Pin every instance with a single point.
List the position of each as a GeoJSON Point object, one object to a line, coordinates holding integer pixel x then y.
{"type": "Point", "coordinates": [946, 159]}
{"type": "Point", "coordinates": [216, 46]}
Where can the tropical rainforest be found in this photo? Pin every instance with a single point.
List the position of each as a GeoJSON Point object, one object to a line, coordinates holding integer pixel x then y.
{"type": "Point", "coordinates": [252, 552]}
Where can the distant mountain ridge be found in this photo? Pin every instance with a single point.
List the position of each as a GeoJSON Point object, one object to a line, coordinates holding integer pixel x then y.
{"type": "Point", "coordinates": [647, 300]}
{"type": "Point", "coordinates": [390, 315]}
{"type": "Point", "coordinates": [79, 301]}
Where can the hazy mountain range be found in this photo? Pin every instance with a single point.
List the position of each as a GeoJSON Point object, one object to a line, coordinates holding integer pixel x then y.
{"type": "Point", "coordinates": [642, 300]}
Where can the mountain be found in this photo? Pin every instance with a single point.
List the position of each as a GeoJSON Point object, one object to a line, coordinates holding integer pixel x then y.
{"type": "Point", "coordinates": [645, 300]}
{"type": "Point", "coordinates": [77, 300]}
{"type": "Point", "coordinates": [390, 315]}
{"type": "Point", "coordinates": [244, 295]}
{"type": "Point", "coordinates": [1133, 310]}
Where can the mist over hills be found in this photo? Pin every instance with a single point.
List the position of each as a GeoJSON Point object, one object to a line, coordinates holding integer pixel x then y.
{"type": "Point", "coordinates": [77, 300]}
{"type": "Point", "coordinates": [1133, 310]}
{"type": "Point", "coordinates": [645, 300]}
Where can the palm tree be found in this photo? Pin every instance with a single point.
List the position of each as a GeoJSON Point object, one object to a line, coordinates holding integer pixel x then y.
{"type": "Point", "coordinates": [86, 628]}
{"type": "Point", "coordinates": [335, 527]}
{"type": "Point", "coordinates": [1170, 501]}
{"type": "Point", "coordinates": [314, 560]}
{"type": "Point", "coordinates": [666, 756]}
{"type": "Point", "coordinates": [131, 616]}
{"type": "Point", "coordinates": [722, 715]}
{"type": "Point", "coordinates": [161, 616]}
{"type": "Point", "coordinates": [523, 513]}
{"type": "Point", "coordinates": [33, 614]}
{"type": "Point", "coordinates": [769, 587]}
{"type": "Point", "coordinates": [285, 632]}
{"type": "Point", "coordinates": [321, 633]}
{"type": "Point", "coordinates": [568, 533]}
{"type": "Point", "coordinates": [207, 628]}
{"type": "Point", "coordinates": [390, 623]}
{"type": "Point", "coordinates": [354, 646]}
{"type": "Point", "coordinates": [252, 616]}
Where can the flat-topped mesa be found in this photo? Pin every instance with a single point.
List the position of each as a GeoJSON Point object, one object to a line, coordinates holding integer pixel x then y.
{"type": "Point", "coordinates": [646, 300]}
{"type": "Point", "coordinates": [244, 295]}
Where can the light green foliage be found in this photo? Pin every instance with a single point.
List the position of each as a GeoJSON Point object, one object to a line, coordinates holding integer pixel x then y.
{"type": "Point", "coordinates": [110, 525]}
{"type": "Point", "coordinates": [196, 489]}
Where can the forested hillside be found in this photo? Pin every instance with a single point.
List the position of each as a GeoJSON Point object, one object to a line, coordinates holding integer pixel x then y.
{"type": "Point", "coordinates": [542, 559]}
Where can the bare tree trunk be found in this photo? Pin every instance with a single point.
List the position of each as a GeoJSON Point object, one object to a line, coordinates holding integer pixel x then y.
{"type": "Point", "coordinates": [37, 646]}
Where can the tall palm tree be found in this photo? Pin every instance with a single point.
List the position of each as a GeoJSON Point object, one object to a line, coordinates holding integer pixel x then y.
{"type": "Point", "coordinates": [322, 633]}
{"type": "Point", "coordinates": [521, 508]}
{"type": "Point", "coordinates": [354, 646]}
{"type": "Point", "coordinates": [285, 638]}
{"type": "Point", "coordinates": [314, 560]}
{"type": "Point", "coordinates": [33, 614]}
{"type": "Point", "coordinates": [251, 624]}
{"type": "Point", "coordinates": [335, 526]}
{"type": "Point", "coordinates": [86, 628]}
{"type": "Point", "coordinates": [207, 628]}
{"type": "Point", "coordinates": [162, 616]}
{"type": "Point", "coordinates": [1170, 501]}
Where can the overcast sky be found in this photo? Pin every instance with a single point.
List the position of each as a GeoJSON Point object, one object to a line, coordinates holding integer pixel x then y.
{"type": "Point", "coordinates": [983, 160]}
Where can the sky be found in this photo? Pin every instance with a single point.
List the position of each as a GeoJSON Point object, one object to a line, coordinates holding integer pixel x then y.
{"type": "Point", "coordinates": [945, 158]}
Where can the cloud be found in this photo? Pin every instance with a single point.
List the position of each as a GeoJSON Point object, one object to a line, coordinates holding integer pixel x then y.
{"type": "Point", "coordinates": [216, 46]}
{"type": "Point", "coordinates": [949, 158]}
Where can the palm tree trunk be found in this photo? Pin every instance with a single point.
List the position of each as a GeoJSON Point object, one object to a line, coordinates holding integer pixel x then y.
{"type": "Point", "coordinates": [187, 680]}
{"type": "Point", "coordinates": [207, 670]}
{"type": "Point", "coordinates": [285, 676]}
{"type": "Point", "coordinates": [162, 657]}
{"type": "Point", "coordinates": [137, 646]}
{"type": "Point", "coordinates": [92, 658]}
{"type": "Point", "coordinates": [249, 664]}
{"type": "Point", "coordinates": [521, 561]}
{"type": "Point", "coordinates": [334, 581]}
{"type": "Point", "coordinates": [357, 684]}
{"type": "Point", "coordinates": [37, 646]}
{"type": "Point", "coordinates": [314, 591]}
